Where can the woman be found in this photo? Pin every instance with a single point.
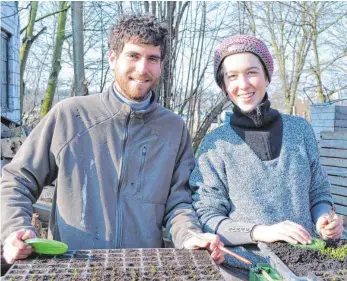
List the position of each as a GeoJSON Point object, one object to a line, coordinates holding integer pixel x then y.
{"type": "Point", "coordinates": [258, 178]}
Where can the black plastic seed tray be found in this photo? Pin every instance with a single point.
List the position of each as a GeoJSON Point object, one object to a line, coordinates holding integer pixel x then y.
{"type": "Point", "coordinates": [118, 265]}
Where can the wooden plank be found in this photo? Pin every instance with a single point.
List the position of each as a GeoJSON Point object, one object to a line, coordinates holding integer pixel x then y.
{"type": "Point", "coordinates": [339, 190]}
{"type": "Point", "coordinates": [323, 123]}
{"type": "Point", "coordinates": [341, 109]}
{"type": "Point", "coordinates": [336, 171]}
{"type": "Point", "coordinates": [319, 130]}
{"type": "Point", "coordinates": [333, 144]}
{"type": "Point", "coordinates": [336, 162]}
{"type": "Point", "coordinates": [334, 135]}
{"type": "Point", "coordinates": [340, 129]}
{"type": "Point", "coordinates": [341, 181]}
{"type": "Point", "coordinates": [341, 115]}
{"type": "Point", "coordinates": [341, 209]}
{"type": "Point", "coordinates": [337, 153]}
{"type": "Point", "coordinates": [341, 123]}
{"type": "Point", "coordinates": [342, 200]}
{"type": "Point", "coordinates": [323, 116]}
{"type": "Point", "coordinates": [322, 108]}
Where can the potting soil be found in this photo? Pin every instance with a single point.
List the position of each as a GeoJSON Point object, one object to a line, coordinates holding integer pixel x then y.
{"type": "Point", "coordinates": [301, 261]}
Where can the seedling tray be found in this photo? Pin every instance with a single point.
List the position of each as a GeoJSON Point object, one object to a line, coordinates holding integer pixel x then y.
{"type": "Point", "coordinates": [118, 265]}
{"type": "Point", "coordinates": [295, 264]}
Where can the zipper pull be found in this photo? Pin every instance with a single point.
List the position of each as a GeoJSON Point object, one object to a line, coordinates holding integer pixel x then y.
{"type": "Point", "coordinates": [258, 111]}
{"type": "Point", "coordinates": [144, 150]}
{"type": "Point", "coordinates": [132, 113]}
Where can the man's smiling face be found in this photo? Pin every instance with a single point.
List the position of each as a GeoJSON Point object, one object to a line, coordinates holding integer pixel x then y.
{"type": "Point", "coordinates": [137, 70]}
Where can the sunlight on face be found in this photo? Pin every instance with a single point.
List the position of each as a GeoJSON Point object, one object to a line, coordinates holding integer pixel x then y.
{"type": "Point", "coordinates": [245, 80]}
{"type": "Point", "coordinates": [137, 70]}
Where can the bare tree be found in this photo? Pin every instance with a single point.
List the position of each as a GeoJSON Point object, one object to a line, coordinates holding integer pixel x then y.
{"type": "Point", "coordinates": [317, 19]}
{"type": "Point", "coordinates": [295, 31]}
{"type": "Point", "coordinates": [56, 66]}
{"type": "Point", "coordinates": [291, 40]}
{"type": "Point", "coordinates": [28, 40]}
{"type": "Point", "coordinates": [80, 84]}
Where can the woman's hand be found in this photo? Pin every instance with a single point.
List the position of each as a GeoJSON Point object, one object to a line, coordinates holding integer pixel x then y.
{"type": "Point", "coordinates": [332, 229]}
{"type": "Point", "coordinates": [209, 241]}
{"type": "Point", "coordinates": [284, 231]}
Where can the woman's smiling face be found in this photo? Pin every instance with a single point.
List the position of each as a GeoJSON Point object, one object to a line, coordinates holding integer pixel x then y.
{"type": "Point", "coordinates": [245, 80]}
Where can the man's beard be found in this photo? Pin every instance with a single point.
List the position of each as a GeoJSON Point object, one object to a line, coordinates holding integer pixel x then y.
{"type": "Point", "coordinates": [130, 90]}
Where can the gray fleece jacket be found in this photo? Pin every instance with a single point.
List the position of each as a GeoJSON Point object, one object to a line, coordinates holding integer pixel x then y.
{"type": "Point", "coordinates": [234, 189]}
{"type": "Point", "coordinates": [120, 175]}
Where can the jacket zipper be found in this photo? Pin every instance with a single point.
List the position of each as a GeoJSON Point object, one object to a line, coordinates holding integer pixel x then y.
{"type": "Point", "coordinates": [143, 158]}
{"type": "Point", "coordinates": [121, 177]}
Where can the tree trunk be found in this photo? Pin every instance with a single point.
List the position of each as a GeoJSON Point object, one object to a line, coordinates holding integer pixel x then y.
{"type": "Point", "coordinates": [154, 8]}
{"type": "Point", "coordinates": [55, 69]}
{"type": "Point", "coordinates": [78, 50]}
{"type": "Point", "coordinates": [24, 51]}
{"type": "Point", "coordinates": [146, 4]}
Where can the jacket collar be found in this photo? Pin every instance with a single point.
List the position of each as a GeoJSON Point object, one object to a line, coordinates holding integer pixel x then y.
{"type": "Point", "coordinates": [115, 106]}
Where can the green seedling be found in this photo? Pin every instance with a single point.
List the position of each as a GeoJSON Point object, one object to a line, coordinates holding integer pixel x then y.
{"type": "Point", "coordinates": [95, 273]}
{"type": "Point", "coordinates": [75, 273]}
{"type": "Point", "coordinates": [133, 272]}
{"type": "Point", "coordinates": [52, 277]}
{"type": "Point", "coordinates": [339, 253]}
{"type": "Point", "coordinates": [194, 276]}
{"type": "Point", "coordinates": [153, 270]}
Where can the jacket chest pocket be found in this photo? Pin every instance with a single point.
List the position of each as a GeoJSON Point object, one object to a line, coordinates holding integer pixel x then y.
{"type": "Point", "coordinates": [142, 165]}
{"type": "Point", "coordinates": [147, 174]}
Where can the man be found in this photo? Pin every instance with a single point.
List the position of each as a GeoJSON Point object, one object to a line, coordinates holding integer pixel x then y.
{"type": "Point", "coordinates": [120, 160]}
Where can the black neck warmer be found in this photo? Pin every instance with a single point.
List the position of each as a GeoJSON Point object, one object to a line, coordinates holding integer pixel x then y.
{"type": "Point", "coordinates": [260, 128]}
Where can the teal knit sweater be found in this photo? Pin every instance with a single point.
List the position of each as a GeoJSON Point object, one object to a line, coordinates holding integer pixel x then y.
{"type": "Point", "coordinates": [232, 185]}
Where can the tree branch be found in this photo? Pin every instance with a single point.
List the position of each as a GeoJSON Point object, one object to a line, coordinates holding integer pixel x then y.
{"type": "Point", "coordinates": [46, 16]}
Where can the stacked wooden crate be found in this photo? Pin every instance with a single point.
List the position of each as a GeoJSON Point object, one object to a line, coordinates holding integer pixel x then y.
{"type": "Point", "coordinates": [330, 125]}
{"type": "Point", "coordinates": [333, 157]}
{"type": "Point", "coordinates": [328, 118]}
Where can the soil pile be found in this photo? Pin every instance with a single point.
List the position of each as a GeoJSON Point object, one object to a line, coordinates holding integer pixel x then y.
{"type": "Point", "coordinates": [302, 261]}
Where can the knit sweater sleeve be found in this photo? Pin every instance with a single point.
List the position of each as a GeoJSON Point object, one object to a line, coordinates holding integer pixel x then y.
{"type": "Point", "coordinates": [320, 190]}
{"type": "Point", "coordinates": [210, 196]}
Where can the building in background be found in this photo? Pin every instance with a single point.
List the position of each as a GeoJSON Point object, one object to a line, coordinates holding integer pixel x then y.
{"type": "Point", "coordinates": [10, 67]}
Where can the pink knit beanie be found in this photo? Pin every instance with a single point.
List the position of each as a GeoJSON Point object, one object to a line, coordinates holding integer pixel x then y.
{"type": "Point", "coordinates": [241, 44]}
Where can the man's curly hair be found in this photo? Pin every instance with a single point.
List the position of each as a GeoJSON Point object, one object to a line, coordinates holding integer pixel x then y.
{"type": "Point", "coordinates": [137, 29]}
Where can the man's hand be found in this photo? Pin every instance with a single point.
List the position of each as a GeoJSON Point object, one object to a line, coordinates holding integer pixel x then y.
{"type": "Point", "coordinates": [332, 229]}
{"type": "Point", "coordinates": [15, 248]}
{"type": "Point", "coordinates": [210, 241]}
{"type": "Point", "coordinates": [284, 231]}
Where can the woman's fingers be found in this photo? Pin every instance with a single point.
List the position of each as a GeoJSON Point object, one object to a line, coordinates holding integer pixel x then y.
{"type": "Point", "coordinates": [333, 230]}
{"type": "Point", "coordinates": [293, 233]}
{"type": "Point", "coordinates": [299, 233]}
